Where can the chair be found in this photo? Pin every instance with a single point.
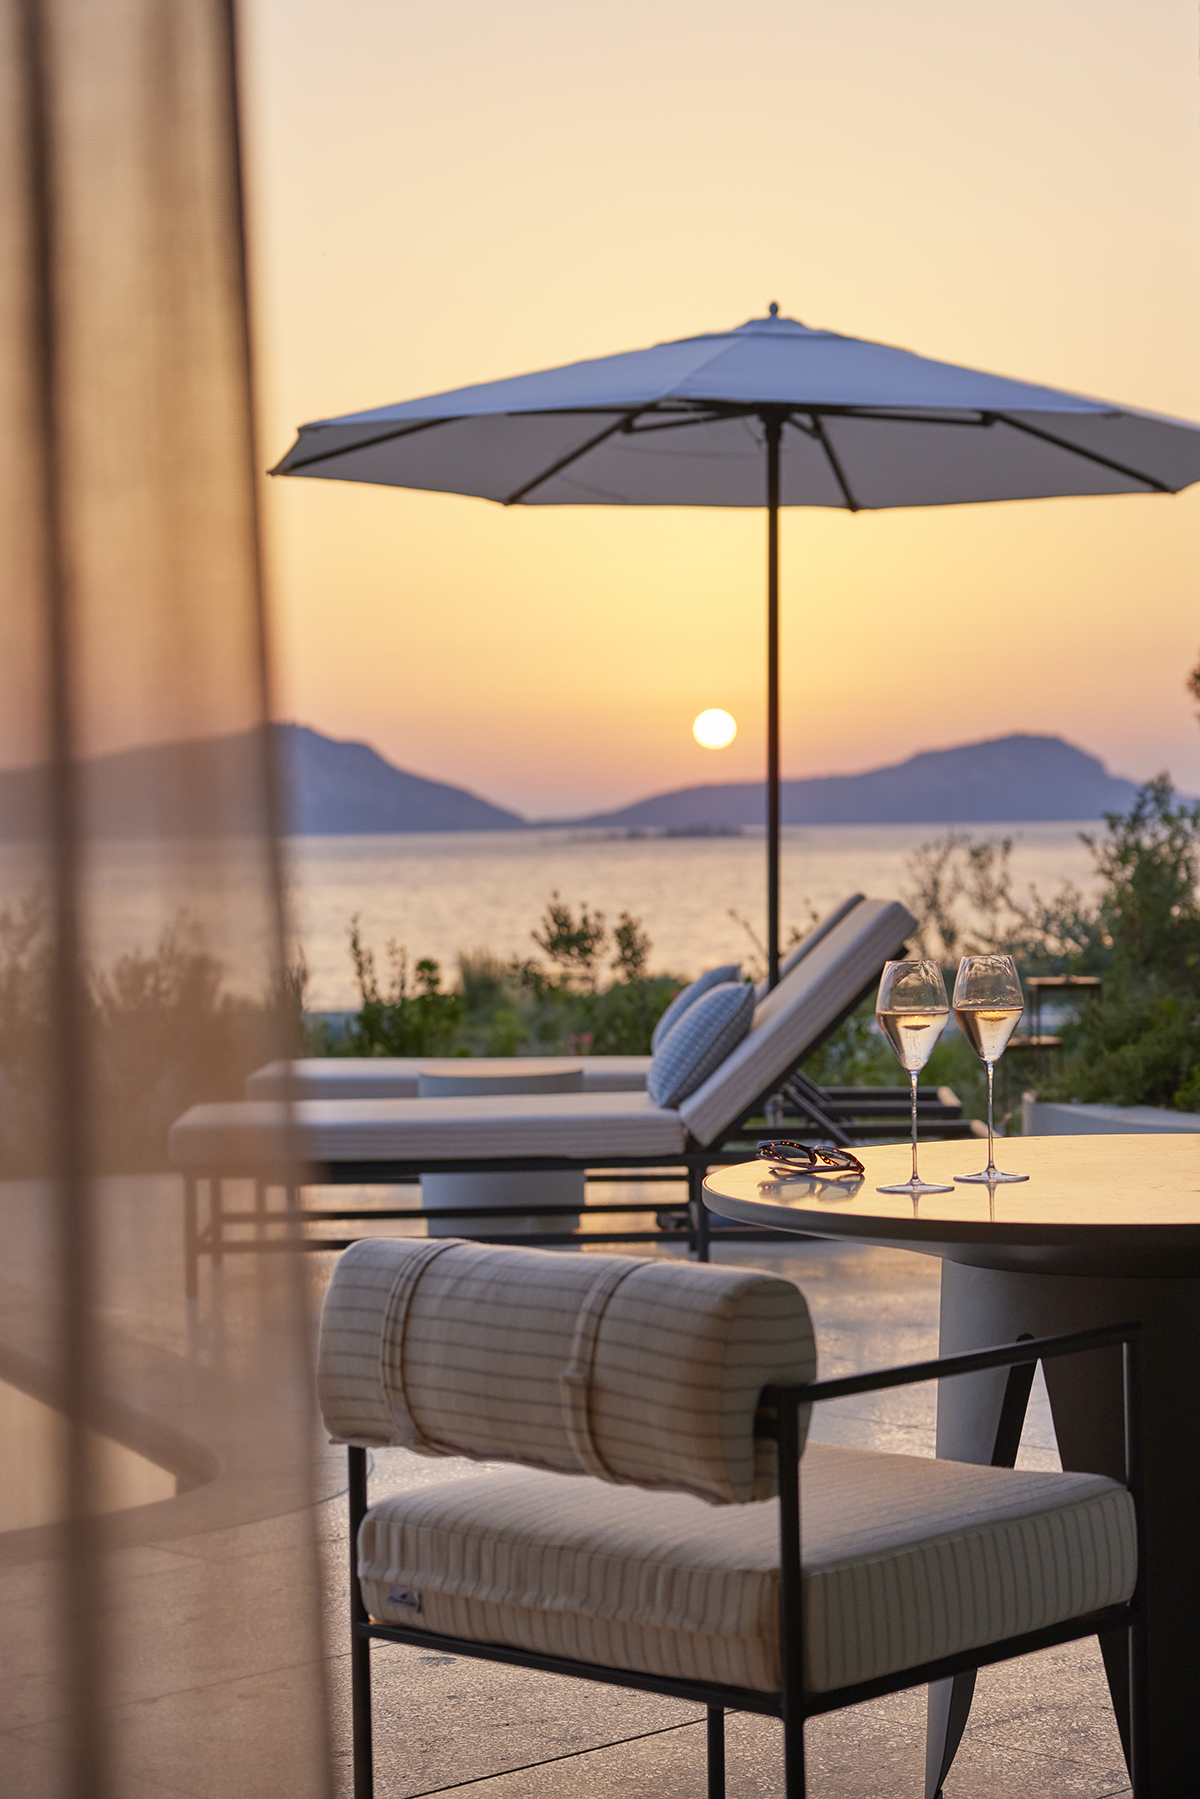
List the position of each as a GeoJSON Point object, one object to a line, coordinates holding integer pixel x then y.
{"type": "Point", "coordinates": [649, 1534]}
{"type": "Point", "coordinates": [360, 1141]}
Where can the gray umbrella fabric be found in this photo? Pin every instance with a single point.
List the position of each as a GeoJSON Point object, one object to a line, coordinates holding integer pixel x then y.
{"type": "Point", "coordinates": [771, 412]}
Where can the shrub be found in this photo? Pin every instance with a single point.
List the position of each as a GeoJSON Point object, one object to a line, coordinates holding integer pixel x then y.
{"type": "Point", "coordinates": [412, 1018]}
{"type": "Point", "coordinates": [1139, 1042]}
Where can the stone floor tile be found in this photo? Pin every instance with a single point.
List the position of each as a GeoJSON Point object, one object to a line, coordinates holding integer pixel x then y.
{"type": "Point", "coordinates": [440, 1721]}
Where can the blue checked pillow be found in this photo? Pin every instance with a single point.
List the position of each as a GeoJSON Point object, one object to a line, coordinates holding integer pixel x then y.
{"type": "Point", "coordinates": [715, 977]}
{"type": "Point", "coordinates": [697, 1045]}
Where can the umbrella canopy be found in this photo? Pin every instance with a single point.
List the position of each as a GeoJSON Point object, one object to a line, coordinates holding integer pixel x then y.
{"type": "Point", "coordinates": [771, 412]}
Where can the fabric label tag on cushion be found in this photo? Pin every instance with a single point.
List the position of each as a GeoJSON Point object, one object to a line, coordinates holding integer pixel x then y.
{"type": "Point", "coordinates": [405, 1598]}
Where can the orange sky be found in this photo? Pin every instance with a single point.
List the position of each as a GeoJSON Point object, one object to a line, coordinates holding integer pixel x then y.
{"type": "Point", "coordinates": [451, 194]}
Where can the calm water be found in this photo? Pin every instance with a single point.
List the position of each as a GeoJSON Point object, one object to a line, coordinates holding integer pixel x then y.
{"type": "Point", "coordinates": [441, 893]}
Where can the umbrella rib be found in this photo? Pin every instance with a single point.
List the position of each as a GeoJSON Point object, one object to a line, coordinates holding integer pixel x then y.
{"type": "Point", "coordinates": [363, 443]}
{"type": "Point", "coordinates": [693, 418]}
{"type": "Point", "coordinates": [563, 462]}
{"type": "Point", "coordinates": [831, 457]}
{"type": "Point", "coordinates": [1061, 443]}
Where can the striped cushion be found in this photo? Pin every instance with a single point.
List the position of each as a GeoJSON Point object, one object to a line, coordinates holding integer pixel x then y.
{"type": "Point", "coordinates": [697, 1045]}
{"type": "Point", "coordinates": [905, 1559]}
{"type": "Point", "coordinates": [713, 977]}
{"type": "Point", "coordinates": [424, 1131]}
{"type": "Point", "coordinates": [631, 1370]}
{"type": "Point", "coordinates": [798, 951]}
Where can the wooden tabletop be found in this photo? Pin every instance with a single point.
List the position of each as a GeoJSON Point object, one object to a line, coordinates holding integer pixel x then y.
{"type": "Point", "coordinates": [1092, 1204]}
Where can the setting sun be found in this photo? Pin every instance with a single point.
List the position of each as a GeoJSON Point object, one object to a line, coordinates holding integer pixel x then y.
{"type": "Point", "coordinates": [714, 729]}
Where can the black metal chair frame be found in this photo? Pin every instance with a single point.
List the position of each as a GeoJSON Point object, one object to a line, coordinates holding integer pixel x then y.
{"type": "Point", "coordinates": [778, 1419]}
{"type": "Point", "coordinates": [850, 1116]}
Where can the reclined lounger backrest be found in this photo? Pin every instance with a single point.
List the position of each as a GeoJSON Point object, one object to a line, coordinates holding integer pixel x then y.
{"type": "Point", "coordinates": [792, 1018]}
{"type": "Point", "coordinates": [639, 1372]}
{"type": "Point", "coordinates": [810, 940]}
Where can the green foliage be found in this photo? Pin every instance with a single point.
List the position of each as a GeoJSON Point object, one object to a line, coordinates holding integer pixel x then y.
{"type": "Point", "coordinates": [1150, 863]}
{"type": "Point", "coordinates": [413, 1017]}
{"type": "Point", "coordinates": [1139, 1043]}
{"type": "Point", "coordinates": [160, 1031]}
{"type": "Point", "coordinates": [574, 945]}
{"type": "Point", "coordinates": [521, 1007]}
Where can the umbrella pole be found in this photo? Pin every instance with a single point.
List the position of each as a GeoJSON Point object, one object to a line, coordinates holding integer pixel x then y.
{"type": "Point", "coordinates": [774, 427]}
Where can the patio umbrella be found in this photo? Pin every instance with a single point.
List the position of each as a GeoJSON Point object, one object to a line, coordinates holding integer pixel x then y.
{"type": "Point", "coordinates": [772, 411]}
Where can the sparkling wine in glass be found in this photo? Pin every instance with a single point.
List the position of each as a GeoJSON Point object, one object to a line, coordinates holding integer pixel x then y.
{"type": "Point", "coordinates": [988, 1004]}
{"type": "Point", "coordinates": [912, 1013]}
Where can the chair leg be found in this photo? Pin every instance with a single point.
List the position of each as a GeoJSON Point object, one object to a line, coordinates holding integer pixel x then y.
{"type": "Point", "coordinates": [360, 1711]}
{"type": "Point", "coordinates": [1139, 1711]}
{"type": "Point", "coordinates": [793, 1756]}
{"type": "Point", "coordinates": [360, 1642]}
{"type": "Point", "coordinates": [699, 1212]}
{"type": "Point", "coordinates": [191, 1232]}
{"type": "Point", "coordinates": [716, 1752]}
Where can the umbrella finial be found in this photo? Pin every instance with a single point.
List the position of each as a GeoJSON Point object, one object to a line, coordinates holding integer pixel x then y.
{"type": "Point", "coordinates": [773, 309]}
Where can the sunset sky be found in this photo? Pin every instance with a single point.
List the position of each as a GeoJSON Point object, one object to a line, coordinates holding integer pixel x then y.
{"type": "Point", "coordinates": [442, 195]}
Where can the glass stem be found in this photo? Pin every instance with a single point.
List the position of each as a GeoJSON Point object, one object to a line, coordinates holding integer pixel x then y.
{"type": "Point", "coordinates": [991, 1167]}
{"type": "Point", "coordinates": [913, 1079]}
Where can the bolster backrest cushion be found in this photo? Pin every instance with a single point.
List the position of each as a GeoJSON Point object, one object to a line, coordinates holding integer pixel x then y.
{"type": "Point", "coordinates": [641, 1372]}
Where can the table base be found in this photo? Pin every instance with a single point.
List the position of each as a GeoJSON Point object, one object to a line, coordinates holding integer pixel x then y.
{"type": "Point", "coordinates": [984, 1306]}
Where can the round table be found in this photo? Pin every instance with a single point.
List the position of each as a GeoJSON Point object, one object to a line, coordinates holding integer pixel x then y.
{"type": "Point", "coordinates": [465, 1076]}
{"type": "Point", "coordinates": [1106, 1230]}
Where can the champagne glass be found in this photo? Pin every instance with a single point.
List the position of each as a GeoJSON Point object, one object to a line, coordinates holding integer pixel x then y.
{"type": "Point", "coordinates": [912, 1013]}
{"type": "Point", "coordinates": [988, 1002]}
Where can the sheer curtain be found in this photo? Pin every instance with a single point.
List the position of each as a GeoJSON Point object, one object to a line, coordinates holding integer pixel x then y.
{"type": "Point", "coordinates": [158, 1576]}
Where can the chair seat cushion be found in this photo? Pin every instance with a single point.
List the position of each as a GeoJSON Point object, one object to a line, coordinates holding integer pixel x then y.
{"type": "Point", "coordinates": [905, 1559]}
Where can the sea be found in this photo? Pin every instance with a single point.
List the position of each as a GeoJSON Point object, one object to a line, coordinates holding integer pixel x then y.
{"type": "Point", "coordinates": [701, 900]}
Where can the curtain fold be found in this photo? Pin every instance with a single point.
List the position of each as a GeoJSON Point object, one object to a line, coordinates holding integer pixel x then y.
{"type": "Point", "coordinates": [159, 1581]}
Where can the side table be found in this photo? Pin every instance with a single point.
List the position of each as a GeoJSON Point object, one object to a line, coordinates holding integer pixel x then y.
{"type": "Point", "coordinates": [546, 1188]}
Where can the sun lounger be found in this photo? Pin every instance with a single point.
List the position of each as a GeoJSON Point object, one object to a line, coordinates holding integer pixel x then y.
{"type": "Point", "coordinates": [841, 1114]}
{"type": "Point", "coordinates": [396, 1077]}
{"type": "Point", "coordinates": [358, 1141]}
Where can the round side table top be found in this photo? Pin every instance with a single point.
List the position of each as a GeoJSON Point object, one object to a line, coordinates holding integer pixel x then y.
{"type": "Point", "coordinates": [497, 1067]}
{"type": "Point", "coordinates": [1092, 1204]}
{"type": "Point", "coordinates": [463, 1076]}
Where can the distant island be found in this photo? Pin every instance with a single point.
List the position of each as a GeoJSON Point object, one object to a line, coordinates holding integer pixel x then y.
{"type": "Point", "coordinates": [210, 788]}
{"type": "Point", "coordinates": [339, 788]}
{"type": "Point", "coordinates": [1005, 780]}
{"type": "Point", "coordinates": [336, 788]}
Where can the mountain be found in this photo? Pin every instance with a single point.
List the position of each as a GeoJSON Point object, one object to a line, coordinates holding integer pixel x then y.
{"type": "Point", "coordinates": [337, 788]}
{"type": "Point", "coordinates": [209, 788]}
{"type": "Point", "coordinates": [1005, 780]}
